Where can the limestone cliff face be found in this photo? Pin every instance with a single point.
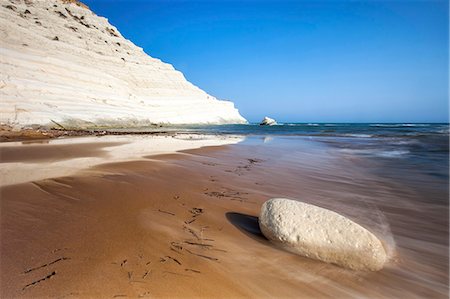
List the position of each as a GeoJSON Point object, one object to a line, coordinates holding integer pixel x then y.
{"type": "Point", "coordinates": [60, 62]}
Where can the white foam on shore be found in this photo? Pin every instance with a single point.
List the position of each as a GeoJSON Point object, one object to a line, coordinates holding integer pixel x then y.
{"type": "Point", "coordinates": [376, 152]}
{"type": "Point", "coordinates": [392, 154]}
{"type": "Point", "coordinates": [358, 135]}
{"type": "Point", "coordinates": [399, 125]}
{"type": "Point", "coordinates": [128, 148]}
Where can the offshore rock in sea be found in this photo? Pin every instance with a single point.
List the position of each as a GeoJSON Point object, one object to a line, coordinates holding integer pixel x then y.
{"type": "Point", "coordinates": [320, 234]}
{"type": "Point", "coordinates": [61, 63]}
{"type": "Point", "coordinates": [267, 121]}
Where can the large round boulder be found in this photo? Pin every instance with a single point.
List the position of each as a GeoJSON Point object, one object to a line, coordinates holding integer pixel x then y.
{"type": "Point", "coordinates": [320, 234]}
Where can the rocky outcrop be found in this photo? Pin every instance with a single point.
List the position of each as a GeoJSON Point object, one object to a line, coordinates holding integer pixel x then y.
{"type": "Point", "coordinates": [320, 234]}
{"type": "Point", "coordinates": [267, 121]}
{"type": "Point", "coordinates": [61, 63]}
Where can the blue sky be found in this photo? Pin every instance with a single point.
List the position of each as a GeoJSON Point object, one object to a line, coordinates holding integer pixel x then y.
{"type": "Point", "coordinates": [302, 61]}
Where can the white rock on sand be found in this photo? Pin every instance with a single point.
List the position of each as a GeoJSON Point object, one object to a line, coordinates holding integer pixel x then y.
{"type": "Point", "coordinates": [61, 62]}
{"type": "Point", "coordinates": [321, 234]}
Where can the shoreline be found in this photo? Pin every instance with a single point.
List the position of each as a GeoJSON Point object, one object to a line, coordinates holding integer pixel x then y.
{"type": "Point", "coordinates": [23, 162]}
{"type": "Point", "coordinates": [9, 134]}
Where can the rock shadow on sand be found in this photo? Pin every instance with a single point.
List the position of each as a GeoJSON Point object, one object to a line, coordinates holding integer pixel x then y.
{"type": "Point", "coordinates": [247, 224]}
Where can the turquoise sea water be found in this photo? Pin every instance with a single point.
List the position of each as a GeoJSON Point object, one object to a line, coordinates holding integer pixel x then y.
{"type": "Point", "coordinates": [328, 129]}
{"type": "Point", "coordinates": [404, 150]}
{"type": "Point", "coordinates": [423, 146]}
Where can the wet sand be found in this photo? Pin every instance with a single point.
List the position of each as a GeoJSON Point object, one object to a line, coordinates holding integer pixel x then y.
{"type": "Point", "coordinates": [43, 133]}
{"type": "Point", "coordinates": [27, 161]}
{"type": "Point", "coordinates": [185, 225]}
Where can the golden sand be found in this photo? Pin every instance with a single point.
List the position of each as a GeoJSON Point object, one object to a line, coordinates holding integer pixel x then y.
{"type": "Point", "coordinates": [184, 226]}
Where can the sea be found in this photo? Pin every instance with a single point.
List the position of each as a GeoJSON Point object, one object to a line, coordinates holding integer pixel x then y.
{"type": "Point", "coordinates": [390, 177]}
{"type": "Point", "coordinates": [416, 154]}
{"type": "Point", "coordinates": [420, 146]}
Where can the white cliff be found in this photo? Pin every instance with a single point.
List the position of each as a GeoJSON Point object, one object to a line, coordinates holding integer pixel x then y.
{"type": "Point", "coordinates": [59, 62]}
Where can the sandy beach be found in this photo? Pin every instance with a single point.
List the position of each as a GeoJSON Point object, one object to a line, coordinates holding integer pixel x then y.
{"type": "Point", "coordinates": [184, 225]}
{"type": "Point", "coordinates": [224, 149]}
